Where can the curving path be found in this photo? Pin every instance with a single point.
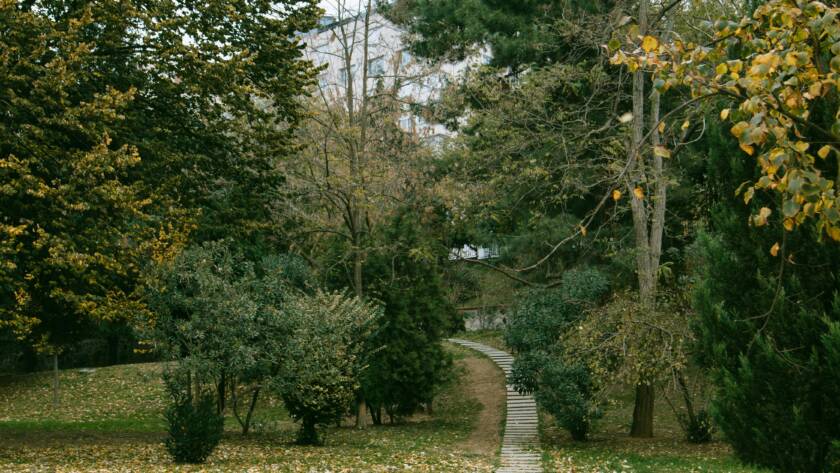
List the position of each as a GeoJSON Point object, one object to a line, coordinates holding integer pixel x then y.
{"type": "Point", "coordinates": [520, 445]}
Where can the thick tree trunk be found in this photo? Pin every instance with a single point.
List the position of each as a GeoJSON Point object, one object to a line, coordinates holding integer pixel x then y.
{"type": "Point", "coordinates": [376, 415]}
{"type": "Point", "coordinates": [308, 434]}
{"type": "Point", "coordinates": [643, 412]}
{"type": "Point", "coordinates": [361, 414]}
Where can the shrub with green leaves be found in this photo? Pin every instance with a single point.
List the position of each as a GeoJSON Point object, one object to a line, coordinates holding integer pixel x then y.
{"type": "Point", "coordinates": [195, 429]}
{"type": "Point", "coordinates": [537, 326]}
{"type": "Point", "coordinates": [326, 355]}
{"type": "Point", "coordinates": [566, 391]}
{"type": "Point", "coordinates": [220, 318]}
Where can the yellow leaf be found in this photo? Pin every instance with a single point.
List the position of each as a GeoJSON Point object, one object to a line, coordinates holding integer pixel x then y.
{"type": "Point", "coordinates": [721, 69]}
{"type": "Point", "coordinates": [748, 195]}
{"type": "Point", "coordinates": [834, 233]}
{"type": "Point", "coordinates": [649, 43]}
{"type": "Point", "coordinates": [616, 195]}
{"type": "Point", "coordinates": [639, 193]}
{"type": "Point", "coordinates": [685, 125]}
{"type": "Point", "coordinates": [788, 224]}
{"type": "Point", "coordinates": [661, 151]}
{"type": "Point", "coordinates": [661, 127]}
{"type": "Point", "coordinates": [583, 230]}
{"type": "Point", "coordinates": [823, 152]}
{"type": "Point", "coordinates": [724, 114]}
{"type": "Point", "coordinates": [801, 146]}
{"type": "Point", "coordinates": [739, 128]}
{"type": "Point", "coordinates": [761, 218]}
{"type": "Point", "coordinates": [774, 250]}
{"type": "Point", "coordinates": [747, 149]}
{"type": "Point", "coordinates": [815, 89]}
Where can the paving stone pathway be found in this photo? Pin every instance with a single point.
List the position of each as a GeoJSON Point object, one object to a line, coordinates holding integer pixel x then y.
{"type": "Point", "coordinates": [520, 445]}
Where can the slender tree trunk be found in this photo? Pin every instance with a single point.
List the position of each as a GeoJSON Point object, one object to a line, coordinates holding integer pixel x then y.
{"type": "Point", "coordinates": [647, 226]}
{"type": "Point", "coordinates": [56, 397]}
{"type": "Point", "coordinates": [358, 257]}
{"type": "Point", "coordinates": [220, 389]}
{"type": "Point", "coordinates": [244, 423]}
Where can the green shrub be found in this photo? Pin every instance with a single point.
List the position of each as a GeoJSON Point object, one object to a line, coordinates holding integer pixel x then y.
{"type": "Point", "coordinates": [567, 393]}
{"type": "Point", "coordinates": [194, 430]}
{"type": "Point", "coordinates": [538, 320]}
{"type": "Point", "coordinates": [700, 428]}
{"type": "Point", "coordinates": [409, 365]}
{"type": "Point", "coordinates": [535, 332]}
{"type": "Point", "coordinates": [325, 358]}
{"type": "Point", "coordinates": [587, 286]}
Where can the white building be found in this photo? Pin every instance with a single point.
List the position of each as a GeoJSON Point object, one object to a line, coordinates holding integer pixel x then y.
{"type": "Point", "coordinates": [339, 41]}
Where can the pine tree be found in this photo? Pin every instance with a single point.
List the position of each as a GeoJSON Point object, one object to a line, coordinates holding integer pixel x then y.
{"type": "Point", "coordinates": [768, 327]}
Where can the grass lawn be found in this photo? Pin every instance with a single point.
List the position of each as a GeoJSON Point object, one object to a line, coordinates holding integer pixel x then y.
{"type": "Point", "coordinates": [612, 450]}
{"type": "Point", "coordinates": [110, 420]}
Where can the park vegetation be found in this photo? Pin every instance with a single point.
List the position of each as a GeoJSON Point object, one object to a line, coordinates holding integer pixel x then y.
{"type": "Point", "coordinates": [658, 180]}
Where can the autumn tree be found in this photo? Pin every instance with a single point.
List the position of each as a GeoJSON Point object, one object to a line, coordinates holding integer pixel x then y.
{"type": "Point", "coordinates": [357, 162]}
{"type": "Point", "coordinates": [74, 222]}
{"type": "Point", "coordinates": [126, 128]}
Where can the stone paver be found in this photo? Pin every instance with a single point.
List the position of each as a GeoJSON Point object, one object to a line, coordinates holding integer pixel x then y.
{"type": "Point", "coordinates": [520, 444]}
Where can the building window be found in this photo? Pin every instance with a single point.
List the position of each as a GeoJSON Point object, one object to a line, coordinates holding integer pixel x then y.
{"type": "Point", "coordinates": [407, 123]}
{"type": "Point", "coordinates": [376, 66]}
{"type": "Point", "coordinates": [405, 57]}
{"type": "Point", "coordinates": [343, 74]}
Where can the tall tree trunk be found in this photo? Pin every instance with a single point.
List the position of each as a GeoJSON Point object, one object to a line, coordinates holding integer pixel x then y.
{"type": "Point", "coordinates": [358, 256]}
{"type": "Point", "coordinates": [647, 225]}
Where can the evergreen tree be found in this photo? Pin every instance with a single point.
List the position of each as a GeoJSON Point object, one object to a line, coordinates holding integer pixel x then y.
{"type": "Point", "coordinates": [410, 364]}
{"type": "Point", "coordinates": [768, 326]}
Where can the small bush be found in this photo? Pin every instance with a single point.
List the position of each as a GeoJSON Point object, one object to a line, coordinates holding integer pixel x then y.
{"type": "Point", "coordinates": [567, 393]}
{"type": "Point", "coordinates": [194, 430]}
{"type": "Point", "coordinates": [701, 428]}
{"type": "Point", "coordinates": [586, 286]}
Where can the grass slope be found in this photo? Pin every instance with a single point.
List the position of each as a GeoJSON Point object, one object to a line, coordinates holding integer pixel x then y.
{"type": "Point", "coordinates": [110, 420]}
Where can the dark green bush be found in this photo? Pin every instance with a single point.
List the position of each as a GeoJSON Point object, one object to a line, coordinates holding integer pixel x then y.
{"type": "Point", "coordinates": [768, 328]}
{"type": "Point", "coordinates": [409, 365]}
{"type": "Point", "coordinates": [194, 429]}
{"type": "Point", "coordinates": [700, 428]}
{"type": "Point", "coordinates": [538, 320]}
{"type": "Point", "coordinates": [566, 392]}
{"type": "Point", "coordinates": [586, 286]}
{"type": "Point", "coordinates": [535, 332]}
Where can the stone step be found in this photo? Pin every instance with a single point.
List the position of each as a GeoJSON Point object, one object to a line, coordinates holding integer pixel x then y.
{"type": "Point", "coordinates": [520, 443]}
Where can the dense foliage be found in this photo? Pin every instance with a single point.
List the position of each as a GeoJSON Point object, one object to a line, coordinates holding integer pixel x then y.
{"type": "Point", "coordinates": [220, 318]}
{"type": "Point", "coordinates": [562, 385]}
{"type": "Point", "coordinates": [127, 126]}
{"type": "Point", "coordinates": [195, 429]}
{"type": "Point", "coordinates": [769, 329]}
{"type": "Point", "coordinates": [326, 355]}
{"type": "Point", "coordinates": [409, 364]}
